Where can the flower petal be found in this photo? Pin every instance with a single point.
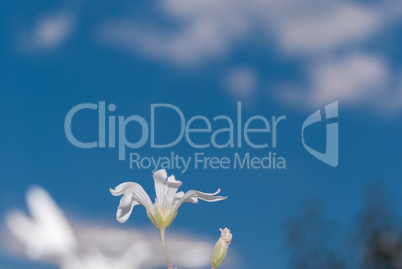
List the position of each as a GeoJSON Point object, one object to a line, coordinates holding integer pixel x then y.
{"type": "Point", "coordinates": [193, 196]}
{"type": "Point", "coordinates": [165, 188]}
{"type": "Point", "coordinates": [160, 177]}
{"type": "Point", "coordinates": [125, 208]}
{"type": "Point", "coordinates": [173, 183]}
{"type": "Point", "coordinates": [179, 195]}
{"type": "Point", "coordinates": [139, 195]}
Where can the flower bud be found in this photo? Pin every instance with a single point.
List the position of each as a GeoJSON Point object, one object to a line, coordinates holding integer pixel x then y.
{"type": "Point", "coordinates": [221, 248]}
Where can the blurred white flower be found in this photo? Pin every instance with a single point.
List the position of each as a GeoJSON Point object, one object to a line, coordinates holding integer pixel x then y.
{"type": "Point", "coordinates": [167, 202]}
{"type": "Point", "coordinates": [48, 236]}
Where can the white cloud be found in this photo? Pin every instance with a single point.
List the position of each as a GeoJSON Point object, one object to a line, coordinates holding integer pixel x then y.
{"type": "Point", "coordinates": [356, 79]}
{"type": "Point", "coordinates": [209, 28]}
{"type": "Point", "coordinates": [48, 32]}
{"type": "Point", "coordinates": [324, 29]}
{"type": "Point", "coordinates": [184, 48]}
{"type": "Point", "coordinates": [352, 78]}
{"type": "Point", "coordinates": [308, 30]}
{"type": "Point", "coordinates": [241, 82]}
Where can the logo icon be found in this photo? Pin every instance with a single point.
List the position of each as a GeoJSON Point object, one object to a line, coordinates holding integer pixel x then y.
{"type": "Point", "coordinates": [331, 155]}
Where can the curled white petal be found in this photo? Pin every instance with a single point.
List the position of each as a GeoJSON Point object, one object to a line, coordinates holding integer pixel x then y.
{"type": "Point", "coordinates": [180, 195]}
{"type": "Point", "coordinates": [193, 196]}
{"type": "Point", "coordinates": [125, 208]}
{"type": "Point", "coordinates": [173, 183]}
{"type": "Point", "coordinates": [160, 175]}
{"type": "Point", "coordinates": [137, 192]}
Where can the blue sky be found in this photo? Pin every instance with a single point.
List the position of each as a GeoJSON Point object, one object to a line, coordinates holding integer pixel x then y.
{"type": "Point", "coordinates": [277, 60]}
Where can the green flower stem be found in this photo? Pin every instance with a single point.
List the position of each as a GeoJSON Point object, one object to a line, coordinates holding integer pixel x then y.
{"type": "Point", "coordinates": [164, 248]}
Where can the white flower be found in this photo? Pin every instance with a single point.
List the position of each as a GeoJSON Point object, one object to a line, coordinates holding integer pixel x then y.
{"type": "Point", "coordinates": [167, 202]}
{"type": "Point", "coordinates": [48, 233]}
{"type": "Point", "coordinates": [48, 236]}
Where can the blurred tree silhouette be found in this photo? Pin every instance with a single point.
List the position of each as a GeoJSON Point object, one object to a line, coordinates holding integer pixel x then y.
{"type": "Point", "coordinates": [379, 231]}
{"type": "Point", "coordinates": [312, 239]}
{"type": "Point", "coordinates": [373, 241]}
